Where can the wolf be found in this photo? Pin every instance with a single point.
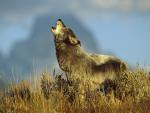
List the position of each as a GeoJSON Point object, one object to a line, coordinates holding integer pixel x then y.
{"type": "Point", "coordinates": [73, 59]}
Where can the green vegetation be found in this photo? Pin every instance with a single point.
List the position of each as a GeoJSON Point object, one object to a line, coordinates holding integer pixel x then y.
{"type": "Point", "coordinates": [130, 93]}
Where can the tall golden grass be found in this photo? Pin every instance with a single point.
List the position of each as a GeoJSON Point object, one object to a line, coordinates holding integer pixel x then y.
{"type": "Point", "coordinates": [130, 93]}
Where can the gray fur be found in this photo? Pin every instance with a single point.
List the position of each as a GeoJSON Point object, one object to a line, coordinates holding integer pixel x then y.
{"type": "Point", "coordinates": [72, 58]}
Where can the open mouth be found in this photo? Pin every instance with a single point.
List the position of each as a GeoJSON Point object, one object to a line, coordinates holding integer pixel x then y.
{"type": "Point", "coordinates": [53, 28]}
{"type": "Point", "coordinates": [58, 27]}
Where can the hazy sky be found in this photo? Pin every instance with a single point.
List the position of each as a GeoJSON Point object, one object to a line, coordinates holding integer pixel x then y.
{"type": "Point", "coordinates": [120, 26]}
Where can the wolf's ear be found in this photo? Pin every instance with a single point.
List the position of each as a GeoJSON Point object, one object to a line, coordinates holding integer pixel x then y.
{"type": "Point", "coordinates": [73, 41]}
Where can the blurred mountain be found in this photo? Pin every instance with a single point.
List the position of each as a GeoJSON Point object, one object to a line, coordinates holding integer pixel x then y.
{"type": "Point", "coordinates": [3, 65]}
{"type": "Point", "coordinates": [38, 52]}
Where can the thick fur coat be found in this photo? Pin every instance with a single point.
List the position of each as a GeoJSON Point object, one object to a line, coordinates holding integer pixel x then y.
{"type": "Point", "coordinates": [73, 59]}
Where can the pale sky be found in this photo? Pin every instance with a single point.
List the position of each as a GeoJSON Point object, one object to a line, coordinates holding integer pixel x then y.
{"type": "Point", "coordinates": [119, 26]}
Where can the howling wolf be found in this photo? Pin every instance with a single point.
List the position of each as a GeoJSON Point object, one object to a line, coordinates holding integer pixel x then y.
{"type": "Point", "coordinates": [73, 59]}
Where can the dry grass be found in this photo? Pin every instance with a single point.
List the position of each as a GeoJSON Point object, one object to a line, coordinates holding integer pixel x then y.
{"type": "Point", "coordinates": [130, 93]}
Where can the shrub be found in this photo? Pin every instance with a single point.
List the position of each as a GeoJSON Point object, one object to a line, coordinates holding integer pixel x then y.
{"type": "Point", "coordinates": [46, 85]}
{"type": "Point", "coordinates": [132, 85]}
{"type": "Point", "coordinates": [21, 90]}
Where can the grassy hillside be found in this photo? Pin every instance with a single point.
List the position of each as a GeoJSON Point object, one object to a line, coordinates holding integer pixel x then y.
{"type": "Point", "coordinates": [130, 93]}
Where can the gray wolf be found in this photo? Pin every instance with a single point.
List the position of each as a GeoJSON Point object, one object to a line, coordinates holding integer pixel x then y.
{"type": "Point", "coordinates": [73, 59]}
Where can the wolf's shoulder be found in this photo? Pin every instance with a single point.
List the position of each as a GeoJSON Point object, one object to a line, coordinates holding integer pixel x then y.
{"type": "Point", "coordinates": [101, 59]}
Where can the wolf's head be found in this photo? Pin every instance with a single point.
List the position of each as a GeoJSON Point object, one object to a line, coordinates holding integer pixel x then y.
{"type": "Point", "coordinates": [59, 28]}
{"type": "Point", "coordinates": [63, 34]}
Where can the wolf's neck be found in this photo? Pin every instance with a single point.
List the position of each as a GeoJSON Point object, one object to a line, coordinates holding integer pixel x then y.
{"type": "Point", "coordinates": [67, 56]}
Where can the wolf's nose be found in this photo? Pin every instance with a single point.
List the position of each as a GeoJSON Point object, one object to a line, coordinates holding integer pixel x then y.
{"type": "Point", "coordinates": [53, 27]}
{"type": "Point", "coordinates": [59, 20]}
